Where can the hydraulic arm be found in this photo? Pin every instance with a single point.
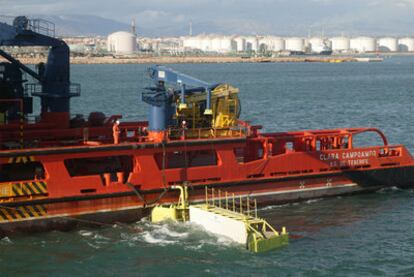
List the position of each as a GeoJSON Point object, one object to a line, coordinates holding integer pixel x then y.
{"type": "Point", "coordinates": [177, 97]}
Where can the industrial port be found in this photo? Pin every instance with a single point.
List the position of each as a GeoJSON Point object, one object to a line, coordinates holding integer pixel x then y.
{"type": "Point", "coordinates": [126, 46]}
{"type": "Point", "coordinates": [127, 43]}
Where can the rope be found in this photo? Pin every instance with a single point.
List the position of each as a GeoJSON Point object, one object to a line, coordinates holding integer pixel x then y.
{"type": "Point", "coordinates": [142, 198]}
{"type": "Point", "coordinates": [164, 161]}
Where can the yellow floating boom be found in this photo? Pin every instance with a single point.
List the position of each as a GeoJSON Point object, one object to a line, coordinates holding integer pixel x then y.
{"type": "Point", "coordinates": [226, 216]}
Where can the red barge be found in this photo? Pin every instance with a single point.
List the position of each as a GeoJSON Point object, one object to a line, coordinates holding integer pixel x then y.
{"type": "Point", "coordinates": [57, 171]}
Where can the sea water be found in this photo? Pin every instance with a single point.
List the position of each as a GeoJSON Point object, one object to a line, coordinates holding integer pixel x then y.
{"type": "Point", "coordinates": [363, 235]}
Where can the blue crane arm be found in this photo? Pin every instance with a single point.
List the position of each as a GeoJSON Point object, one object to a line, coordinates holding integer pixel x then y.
{"type": "Point", "coordinates": [175, 78]}
{"type": "Point", "coordinates": [180, 81]}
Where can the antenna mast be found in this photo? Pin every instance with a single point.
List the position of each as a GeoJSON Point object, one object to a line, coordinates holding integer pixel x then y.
{"type": "Point", "coordinates": [133, 27]}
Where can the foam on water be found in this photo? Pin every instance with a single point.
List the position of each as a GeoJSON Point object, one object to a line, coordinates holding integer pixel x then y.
{"type": "Point", "coordinates": [389, 189]}
{"type": "Point", "coordinates": [150, 238]}
{"type": "Point", "coordinates": [162, 233]}
{"type": "Point", "coordinates": [85, 233]}
{"type": "Point", "coordinates": [6, 240]}
{"type": "Point", "coordinates": [311, 201]}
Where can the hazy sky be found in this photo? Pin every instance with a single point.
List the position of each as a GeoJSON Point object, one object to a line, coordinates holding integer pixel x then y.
{"type": "Point", "coordinates": [259, 16]}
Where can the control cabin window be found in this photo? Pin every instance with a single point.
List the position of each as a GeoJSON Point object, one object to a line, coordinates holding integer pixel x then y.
{"type": "Point", "coordinates": [182, 159]}
{"type": "Point", "coordinates": [21, 171]}
{"type": "Point", "coordinates": [98, 165]}
{"type": "Point", "coordinates": [252, 152]}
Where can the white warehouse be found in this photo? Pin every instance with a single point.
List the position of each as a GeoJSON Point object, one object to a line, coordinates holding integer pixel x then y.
{"type": "Point", "coordinates": [122, 43]}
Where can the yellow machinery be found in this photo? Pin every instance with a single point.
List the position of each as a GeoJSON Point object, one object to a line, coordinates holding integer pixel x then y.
{"type": "Point", "coordinates": [188, 107]}
{"type": "Point", "coordinates": [225, 108]}
{"type": "Point", "coordinates": [176, 212]}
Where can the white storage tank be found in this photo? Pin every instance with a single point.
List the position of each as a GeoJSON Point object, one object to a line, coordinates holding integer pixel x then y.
{"type": "Point", "coordinates": [278, 44]}
{"type": "Point", "coordinates": [240, 43]}
{"type": "Point", "coordinates": [328, 43]}
{"type": "Point", "coordinates": [295, 44]}
{"type": "Point", "coordinates": [227, 45]}
{"type": "Point", "coordinates": [340, 44]}
{"type": "Point", "coordinates": [363, 44]}
{"type": "Point", "coordinates": [122, 43]}
{"type": "Point", "coordinates": [388, 44]}
{"type": "Point", "coordinates": [272, 43]}
{"type": "Point", "coordinates": [222, 44]}
{"type": "Point", "coordinates": [192, 43]}
{"type": "Point", "coordinates": [215, 44]}
{"type": "Point", "coordinates": [264, 44]}
{"type": "Point", "coordinates": [205, 43]}
{"type": "Point", "coordinates": [252, 43]}
{"type": "Point", "coordinates": [406, 44]}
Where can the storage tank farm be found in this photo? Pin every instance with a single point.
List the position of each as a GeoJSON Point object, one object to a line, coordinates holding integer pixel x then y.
{"type": "Point", "coordinates": [338, 44]}
{"type": "Point", "coordinates": [388, 44]}
{"type": "Point", "coordinates": [122, 43]}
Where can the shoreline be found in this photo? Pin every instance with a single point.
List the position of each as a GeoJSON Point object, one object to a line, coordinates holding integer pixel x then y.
{"type": "Point", "coordinates": [200, 59]}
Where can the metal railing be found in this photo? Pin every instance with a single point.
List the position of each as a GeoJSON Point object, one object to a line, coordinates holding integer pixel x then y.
{"type": "Point", "coordinates": [37, 25]}
{"type": "Point", "coordinates": [36, 89]}
{"type": "Point", "coordinates": [231, 202]}
{"type": "Point", "coordinates": [7, 19]}
{"type": "Point", "coordinates": [42, 26]}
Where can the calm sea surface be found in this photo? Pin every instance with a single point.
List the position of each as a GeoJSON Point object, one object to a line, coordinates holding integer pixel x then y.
{"type": "Point", "coordinates": [364, 235]}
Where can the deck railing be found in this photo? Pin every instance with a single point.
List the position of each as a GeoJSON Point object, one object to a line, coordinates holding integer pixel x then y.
{"type": "Point", "coordinates": [231, 202]}
{"type": "Point", "coordinates": [204, 133]}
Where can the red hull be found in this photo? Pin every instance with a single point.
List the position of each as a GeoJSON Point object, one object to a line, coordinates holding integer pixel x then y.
{"type": "Point", "coordinates": [270, 177]}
